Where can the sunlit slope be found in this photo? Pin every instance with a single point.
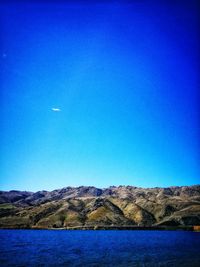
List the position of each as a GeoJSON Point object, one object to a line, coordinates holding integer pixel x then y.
{"type": "Point", "coordinates": [92, 207]}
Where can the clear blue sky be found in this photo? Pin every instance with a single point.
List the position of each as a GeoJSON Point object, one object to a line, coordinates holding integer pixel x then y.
{"type": "Point", "coordinates": [125, 78]}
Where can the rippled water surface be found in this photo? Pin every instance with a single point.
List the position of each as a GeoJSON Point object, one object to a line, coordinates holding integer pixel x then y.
{"type": "Point", "coordinates": [99, 248]}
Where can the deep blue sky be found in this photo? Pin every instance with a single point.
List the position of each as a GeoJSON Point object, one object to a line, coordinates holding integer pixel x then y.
{"type": "Point", "coordinates": [125, 78]}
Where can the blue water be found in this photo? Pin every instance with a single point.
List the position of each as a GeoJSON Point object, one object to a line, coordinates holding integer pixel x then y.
{"type": "Point", "coordinates": [99, 248]}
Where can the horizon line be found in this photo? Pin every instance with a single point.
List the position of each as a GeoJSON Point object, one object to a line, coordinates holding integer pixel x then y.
{"type": "Point", "coordinates": [102, 188]}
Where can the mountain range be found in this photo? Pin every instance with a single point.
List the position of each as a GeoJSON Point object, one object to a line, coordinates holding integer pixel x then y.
{"type": "Point", "coordinates": [88, 206]}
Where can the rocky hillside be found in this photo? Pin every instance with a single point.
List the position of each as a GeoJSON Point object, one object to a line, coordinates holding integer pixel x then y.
{"type": "Point", "coordinates": [94, 207]}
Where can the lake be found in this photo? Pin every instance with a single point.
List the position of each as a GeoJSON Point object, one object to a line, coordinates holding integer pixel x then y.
{"type": "Point", "coordinates": [99, 248]}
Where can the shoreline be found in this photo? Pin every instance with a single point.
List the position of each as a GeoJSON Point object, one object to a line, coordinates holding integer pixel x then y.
{"type": "Point", "coordinates": [120, 228]}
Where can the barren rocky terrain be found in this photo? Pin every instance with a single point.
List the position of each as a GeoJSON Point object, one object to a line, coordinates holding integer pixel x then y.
{"type": "Point", "coordinates": [84, 206]}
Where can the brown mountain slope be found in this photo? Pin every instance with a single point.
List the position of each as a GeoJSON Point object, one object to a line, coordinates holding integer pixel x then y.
{"type": "Point", "coordinates": [93, 207]}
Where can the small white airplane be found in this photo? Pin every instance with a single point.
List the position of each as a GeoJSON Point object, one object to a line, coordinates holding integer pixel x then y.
{"type": "Point", "coordinates": [56, 109]}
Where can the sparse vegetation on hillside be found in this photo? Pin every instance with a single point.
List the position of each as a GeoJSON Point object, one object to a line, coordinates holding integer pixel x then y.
{"type": "Point", "coordinates": [93, 207]}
